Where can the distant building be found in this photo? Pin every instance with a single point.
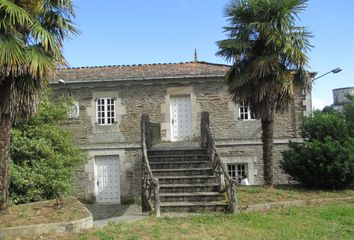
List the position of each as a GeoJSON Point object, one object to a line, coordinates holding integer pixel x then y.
{"type": "Point", "coordinates": [339, 98]}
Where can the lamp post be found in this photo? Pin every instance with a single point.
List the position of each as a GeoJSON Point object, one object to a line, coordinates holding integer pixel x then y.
{"type": "Point", "coordinates": [336, 70]}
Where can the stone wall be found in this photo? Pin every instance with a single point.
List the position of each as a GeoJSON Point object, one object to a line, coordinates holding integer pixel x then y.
{"type": "Point", "coordinates": [153, 97]}
{"type": "Point", "coordinates": [135, 100]}
{"type": "Point", "coordinates": [251, 154]}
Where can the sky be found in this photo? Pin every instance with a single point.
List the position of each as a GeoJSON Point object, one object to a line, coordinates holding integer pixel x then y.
{"type": "Point", "coordinates": [117, 32]}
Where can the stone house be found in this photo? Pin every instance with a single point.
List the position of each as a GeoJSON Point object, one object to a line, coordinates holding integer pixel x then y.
{"type": "Point", "coordinates": [111, 100]}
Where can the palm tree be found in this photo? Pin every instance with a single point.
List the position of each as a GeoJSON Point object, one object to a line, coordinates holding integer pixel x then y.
{"type": "Point", "coordinates": [269, 58]}
{"type": "Point", "coordinates": [31, 39]}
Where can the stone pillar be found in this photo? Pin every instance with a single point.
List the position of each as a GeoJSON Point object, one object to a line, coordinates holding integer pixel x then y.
{"type": "Point", "coordinates": [203, 124]}
{"type": "Point", "coordinates": [145, 120]}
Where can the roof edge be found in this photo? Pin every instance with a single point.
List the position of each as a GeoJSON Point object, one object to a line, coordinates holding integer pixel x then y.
{"type": "Point", "coordinates": [146, 64]}
{"type": "Point", "coordinates": [142, 79]}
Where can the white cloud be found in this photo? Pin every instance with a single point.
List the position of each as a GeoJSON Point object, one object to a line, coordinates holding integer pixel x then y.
{"type": "Point", "coordinates": [318, 104]}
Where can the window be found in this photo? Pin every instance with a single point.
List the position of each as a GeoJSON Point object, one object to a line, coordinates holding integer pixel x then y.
{"type": "Point", "coordinates": [105, 111]}
{"type": "Point", "coordinates": [237, 170]}
{"type": "Point", "coordinates": [245, 112]}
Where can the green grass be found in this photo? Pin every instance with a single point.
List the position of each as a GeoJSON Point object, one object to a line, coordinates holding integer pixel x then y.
{"type": "Point", "coordinates": [327, 221]}
{"type": "Point", "coordinates": [323, 221]}
{"type": "Point", "coordinates": [257, 194]}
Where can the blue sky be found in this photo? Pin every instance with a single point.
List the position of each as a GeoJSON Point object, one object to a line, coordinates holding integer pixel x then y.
{"type": "Point", "coordinates": [167, 31]}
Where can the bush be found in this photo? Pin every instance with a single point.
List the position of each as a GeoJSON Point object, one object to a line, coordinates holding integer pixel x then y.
{"type": "Point", "coordinates": [321, 164]}
{"type": "Point", "coordinates": [326, 159]}
{"type": "Point", "coordinates": [43, 155]}
{"type": "Point", "coordinates": [323, 125]}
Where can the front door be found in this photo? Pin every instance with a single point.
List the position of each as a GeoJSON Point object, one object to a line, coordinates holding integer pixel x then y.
{"type": "Point", "coordinates": [181, 118]}
{"type": "Point", "coordinates": [108, 182]}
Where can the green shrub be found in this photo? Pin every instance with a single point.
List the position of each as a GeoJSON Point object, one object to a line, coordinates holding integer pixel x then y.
{"type": "Point", "coordinates": [43, 155]}
{"type": "Point", "coordinates": [326, 159]}
{"type": "Point", "coordinates": [321, 164]}
{"type": "Point", "coordinates": [325, 124]}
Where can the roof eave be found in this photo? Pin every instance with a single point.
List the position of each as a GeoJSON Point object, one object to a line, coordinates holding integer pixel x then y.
{"type": "Point", "coordinates": [56, 82]}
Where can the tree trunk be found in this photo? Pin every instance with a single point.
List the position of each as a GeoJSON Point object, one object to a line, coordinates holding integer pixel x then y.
{"type": "Point", "coordinates": [5, 128]}
{"type": "Point", "coordinates": [267, 139]}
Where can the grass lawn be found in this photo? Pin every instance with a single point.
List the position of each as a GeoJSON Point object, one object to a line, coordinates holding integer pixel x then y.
{"type": "Point", "coordinates": [321, 221]}
{"type": "Point", "coordinates": [258, 194]}
{"type": "Point", "coordinates": [325, 221]}
{"type": "Point", "coordinates": [42, 212]}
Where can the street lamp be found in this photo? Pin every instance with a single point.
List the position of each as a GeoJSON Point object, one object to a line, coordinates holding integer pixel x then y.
{"type": "Point", "coordinates": [336, 70]}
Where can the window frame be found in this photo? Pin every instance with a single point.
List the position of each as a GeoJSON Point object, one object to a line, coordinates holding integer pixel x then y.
{"type": "Point", "coordinates": [241, 114]}
{"type": "Point", "coordinates": [108, 111]}
{"type": "Point", "coordinates": [235, 171]}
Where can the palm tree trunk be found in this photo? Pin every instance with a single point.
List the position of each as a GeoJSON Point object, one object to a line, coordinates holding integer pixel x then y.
{"type": "Point", "coordinates": [5, 128]}
{"type": "Point", "coordinates": [267, 139]}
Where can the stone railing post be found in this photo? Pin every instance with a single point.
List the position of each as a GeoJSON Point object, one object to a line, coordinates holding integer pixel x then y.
{"type": "Point", "coordinates": [157, 197]}
{"type": "Point", "coordinates": [203, 133]}
{"type": "Point", "coordinates": [232, 198]}
{"type": "Point", "coordinates": [144, 201]}
{"type": "Point", "coordinates": [148, 181]}
{"type": "Point", "coordinates": [146, 121]}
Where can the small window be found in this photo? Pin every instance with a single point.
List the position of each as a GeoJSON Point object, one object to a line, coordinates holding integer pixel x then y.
{"type": "Point", "coordinates": [105, 111]}
{"type": "Point", "coordinates": [245, 112]}
{"type": "Point", "coordinates": [237, 170]}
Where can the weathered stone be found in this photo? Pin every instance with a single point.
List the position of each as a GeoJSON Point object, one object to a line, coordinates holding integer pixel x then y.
{"type": "Point", "coordinates": [147, 89]}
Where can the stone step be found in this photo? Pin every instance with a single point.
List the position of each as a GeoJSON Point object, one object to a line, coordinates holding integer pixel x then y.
{"type": "Point", "coordinates": [214, 206]}
{"type": "Point", "coordinates": [183, 188]}
{"type": "Point", "coordinates": [178, 158]}
{"type": "Point", "coordinates": [186, 179]}
{"type": "Point", "coordinates": [185, 151]}
{"type": "Point", "coordinates": [182, 172]}
{"type": "Point", "coordinates": [192, 197]}
{"type": "Point", "coordinates": [178, 165]}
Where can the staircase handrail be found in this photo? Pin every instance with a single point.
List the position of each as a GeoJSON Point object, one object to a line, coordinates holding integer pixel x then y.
{"type": "Point", "coordinates": [219, 167]}
{"type": "Point", "coordinates": [150, 183]}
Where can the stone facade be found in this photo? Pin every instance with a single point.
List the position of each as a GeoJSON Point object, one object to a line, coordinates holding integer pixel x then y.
{"type": "Point", "coordinates": [147, 89]}
{"type": "Point", "coordinates": [339, 97]}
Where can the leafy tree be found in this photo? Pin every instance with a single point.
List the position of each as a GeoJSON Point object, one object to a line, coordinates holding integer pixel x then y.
{"type": "Point", "coordinates": [348, 111]}
{"type": "Point", "coordinates": [268, 52]}
{"type": "Point", "coordinates": [326, 159]}
{"type": "Point", "coordinates": [31, 39]}
{"type": "Point", "coordinates": [43, 155]}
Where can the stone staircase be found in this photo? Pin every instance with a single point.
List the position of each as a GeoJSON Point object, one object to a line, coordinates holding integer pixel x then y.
{"type": "Point", "coordinates": [186, 180]}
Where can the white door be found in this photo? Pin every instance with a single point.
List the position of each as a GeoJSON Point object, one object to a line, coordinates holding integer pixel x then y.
{"type": "Point", "coordinates": [181, 118]}
{"type": "Point", "coordinates": [108, 182]}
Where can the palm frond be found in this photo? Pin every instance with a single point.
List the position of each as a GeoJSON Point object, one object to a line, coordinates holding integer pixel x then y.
{"type": "Point", "coordinates": [266, 46]}
{"type": "Point", "coordinates": [12, 55]}
{"type": "Point", "coordinates": [231, 48]}
{"type": "Point", "coordinates": [40, 63]}
{"type": "Point", "coordinates": [59, 26]}
{"type": "Point", "coordinates": [31, 41]}
{"type": "Point", "coordinates": [263, 66]}
{"type": "Point", "coordinates": [13, 15]}
{"type": "Point", "coordinates": [43, 37]}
